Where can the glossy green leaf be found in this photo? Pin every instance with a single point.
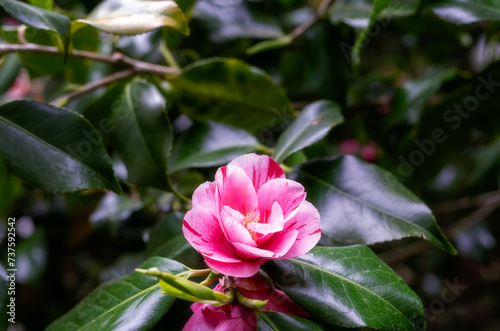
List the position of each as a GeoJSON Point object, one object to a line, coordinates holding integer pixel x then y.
{"type": "Point", "coordinates": [9, 189]}
{"type": "Point", "coordinates": [165, 229]}
{"type": "Point", "coordinates": [143, 134]}
{"type": "Point", "coordinates": [357, 13]}
{"type": "Point", "coordinates": [125, 17]}
{"type": "Point", "coordinates": [313, 123]}
{"type": "Point", "coordinates": [412, 97]}
{"type": "Point", "coordinates": [4, 298]}
{"type": "Point", "coordinates": [232, 92]}
{"type": "Point", "coordinates": [44, 4]}
{"type": "Point", "coordinates": [210, 144]}
{"type": "Point", "coordinates": [275, 321]}
{"type": "Point", "coordinates": [235, 19]}
{"type": "Point", "coordinates": [267, 45]}
{"type": "Point", "coordinates": [364, 15]}
{"type": "Point", "coordinates": [172, 247]}
{"type": "Point", "coordinates": [166, 240]}
{"type": "Point", "coordinates": [468, 11]}
{"type": "Point", "coordinates": [349, 286]}
{"type": "Point", "coordinates": [378, 7]}
{"type": "Point", "coordinates": [40, 19]}
{"type": "Point", "coordinates": [133, 302]}
{"type": "Point", "coordinates": [9, 69]}
{"type": "Point", "coordinates": [360, 203]}
{"type": "Point", "coordinates": [53, 148]}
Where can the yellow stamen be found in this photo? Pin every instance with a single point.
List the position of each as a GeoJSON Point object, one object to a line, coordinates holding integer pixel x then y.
{"type": "Point", "coordinates": [249, 218]}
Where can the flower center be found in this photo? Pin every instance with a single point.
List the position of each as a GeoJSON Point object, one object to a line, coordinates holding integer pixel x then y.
{"type": "Point", "coordinates": [251, 218]}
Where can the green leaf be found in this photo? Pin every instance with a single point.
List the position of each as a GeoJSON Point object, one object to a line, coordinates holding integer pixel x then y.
{"type": "Point", "coordinates": [44, 4]}
{"type": "Point", "coordinates": [232, 92]}
{"type": "Point", "coordinates": [164, 230]}
{"type": "Point", "coordinates": [40, 19]}
{"type": "Point", "coordinates": [360, 203]}
{"type": "Point", "coordinates": [349, 286]}
{"type": "Point", "coordinates": [125, 17]}
{"type": "Point", "coordinates": [172, 248]}
{"type": "Point", "coordinates": [267, 45]}
{"type": "Point", "coordinates": [412, 97]}
{"type": "Point", "coordinates": [143, 134]}
{"type": "Point", "coordinates": [210, 144]}
{"type": "Point", "coordinates": [53, 148]}
{"type": "Point", "coordinates": [357, 14]}
{"type": "Point", "coordinates": [166, 240]}
{"type": "Point", "coordinates": [465, 12]}
{"type": "Point", "coordinates": [226, 21]}
{"type": "Point", "coordinates": [364, 14]}
{"type": "Point", "coordinates": [9, 189]}
{"type": "Point", "coordinates": [313, 123]}
{"type": "Point", "coordinates": [9, 69]}
{"type": "Point", "coordinates": [275, 321]}
{"type": "Point", "coordinates": [378, 6]}
{"type": "Point", "coordinates": [4, 298]}
{"type": "Point", "coordinates": [133, 302]}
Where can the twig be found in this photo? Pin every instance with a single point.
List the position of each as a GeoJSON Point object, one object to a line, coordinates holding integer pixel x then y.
{"type": "Point", "coordinates": [471, 219]}
{"type": "Point", "coordinates": [467, 202]}
{"type": "Point", "coordinates": [323, 7]}
{"type": "Point", "coordinates": [401, 253]}
{"type": "Point", "coordinates": [62, 100]}
{"type": "Point", "coordinates": [116, 59]}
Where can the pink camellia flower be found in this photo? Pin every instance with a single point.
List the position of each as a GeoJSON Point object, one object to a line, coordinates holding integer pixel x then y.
{"type": "Point", "coordinates": [249, 215]}
{"type": "Point", "coordinates": [237, 317]}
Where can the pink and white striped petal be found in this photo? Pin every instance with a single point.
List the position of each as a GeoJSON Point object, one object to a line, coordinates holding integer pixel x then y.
{"type": "Point", "coordinates": [259, 168]}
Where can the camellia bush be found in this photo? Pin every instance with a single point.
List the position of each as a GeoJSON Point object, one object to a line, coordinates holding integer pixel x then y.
{"type": "Point", "coordinates": [221, 165]}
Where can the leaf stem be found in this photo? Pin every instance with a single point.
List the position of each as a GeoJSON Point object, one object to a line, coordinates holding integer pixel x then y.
{"type": "Point", "coordinates": [195, 273]}
{"type": "Point", "coordinates": [168, 55]}
{"type": "Point", "coordinates": [286, 168]}
{"type": "Point", "coordinates": [117, 59]}
{"type": "Point", "coordinates": [264, 149]}
{"type": "Point", "coordinates": [200, 272]}
{"type": "Point", "coordinates": [212, 277]}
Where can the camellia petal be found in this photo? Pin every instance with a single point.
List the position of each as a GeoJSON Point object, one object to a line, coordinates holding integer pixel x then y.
{"type": "Point", "coordinates": [275, 222]}
{"type": "Point", "coordinates": [235, 189]}
{"type": "Point", "coordinates": [287, 193]}
{"type": "Point", "coordinates": [236, 317]}
{"type": "Point", "coordinates": [259, 168]}
{"type": "Point", "coordinates": [250, 214]}
{"type": "Point", "coordinates": [306, 222]}
{"type": "Point", "coordinates": [234, 230]}
{"type": "Point", "coordinates": [207, 237]}
{"type": "Point", "coordinates": [235, 269]}
{"type": "Point", "coordinates": [204, 197]}
{"type": "Point", "coordinates": [282, 244]}
{"type": "Point", "coordinates": [249, 253]}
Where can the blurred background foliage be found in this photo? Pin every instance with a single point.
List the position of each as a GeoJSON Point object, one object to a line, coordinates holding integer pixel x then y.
{"type": "Point", "coordinates": [410, 102]}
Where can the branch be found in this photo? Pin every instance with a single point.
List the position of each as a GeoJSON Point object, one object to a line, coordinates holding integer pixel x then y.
{"type": "Point", "coordinates": [471, 219]}
{"type": "Point", "coordinates": [117, 59]}
{"type": "Point", "coordinates": [323, 7]}
{"type": "Point", "coordinates": [467, 202]}
{"type": "Point", "coordinates": [62, 100]}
